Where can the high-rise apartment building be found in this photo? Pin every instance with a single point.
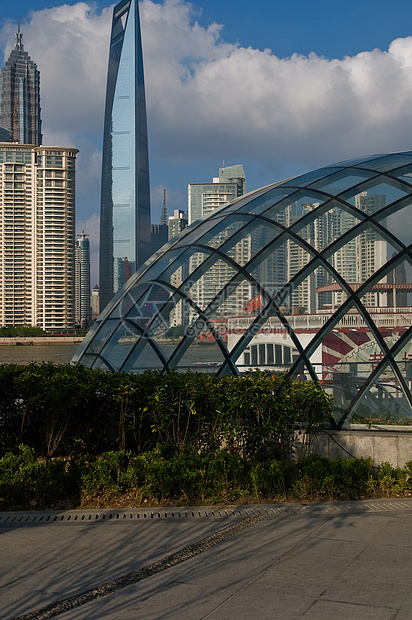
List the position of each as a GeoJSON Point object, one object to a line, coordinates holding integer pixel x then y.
{"type": "Point", "coordinates": [179, 314]}
{"type": "Point", "coordinates": [125, 235]}
{"type": "Point", "coordinates": [177, 223]}
{"type": "Point", "coordinates": [20, 97]}
{"type": "Point", "coordinates": [37, 236]}
{"type": "Point", "coordinates": [203, 199]}
{"type": "Point", "coordinates": [82, 280]}
{"type": "Point", "coordinates": [371, 248]}
{"type": "Point", "coordinates": [95, 302]}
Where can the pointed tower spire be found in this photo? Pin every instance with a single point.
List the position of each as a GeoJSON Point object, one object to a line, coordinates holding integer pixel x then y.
{"type": "Point", "coordinates": [19, 38]}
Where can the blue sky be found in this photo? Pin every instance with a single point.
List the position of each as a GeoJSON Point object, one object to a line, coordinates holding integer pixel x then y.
{"type": "Point", "coordinates": [279, 87]}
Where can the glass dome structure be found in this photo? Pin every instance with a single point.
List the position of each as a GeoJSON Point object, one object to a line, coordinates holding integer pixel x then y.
{"type": "Point", "coordinates": [311, 274]}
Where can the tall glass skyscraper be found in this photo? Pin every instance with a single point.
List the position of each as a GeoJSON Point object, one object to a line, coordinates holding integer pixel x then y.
{"type": "Point", "coordinates": [82, 280]}
{"type": "Point", "coordinates": [20, 97]}
{"type": "Point", "coordinates": [125, 197]}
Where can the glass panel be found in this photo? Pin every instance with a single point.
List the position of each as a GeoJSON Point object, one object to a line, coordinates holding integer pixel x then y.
{"type": "Point", "coordinates": [399, 281]}
{"type": "Point", "coordinates": [302, 299]}
{"type": "Point", "coordinates": [310, 177]}
{"type": "Point", "coordinates": [291, 209]}
{"type": "Point", "coordinates": [99, 363]}
{"type": "Point", "coordinates": [147, 359]}
{"type": "Point", "coordinates": [196, 235]}
{"type": "Point", "coordinates": [395, 223]}
{"type": "Point", "coordinates": [203, 354]}
{"type": "Point", "coordinates": [350, 347]}
{"type": "Point", "coordinates": [179, 320]}
{"type": "Point", "coordinates": [167, 262]}
{"type": "Point", "coordinates": [348, 355]}
{"type": "Point", "coordinates": [372, 255]}
{"type": "Point", "coordinates": [237, 205]}
{"type": "Point", "coordinates": [341, 181]}
{"type": "Point", "coordinates": [120, 345]}
{"type": "Point", "coordinates": [257, 236]}
{"type": "Point", "coordinates": [390, 162]}
{"type": "Point", "coordinates": [270, 269]}
{"type": "Point", "coordinates": [100, 339]}
{"type": "Point", "coordinates": [150, 313]}
{"type": "Point", "coordinates": [237, 299]}
{"type": "Point", "coordinates": [271, 347]}
{"type": "Point", "coordinates": [320, 228]}
{"type": "Point", "coordinates": [267, 200]}
{"type": "Point", "coordinates": [404, 361]}
{"type": "Point", "coordinates": [225, 230]}
{"type": "Point", "coordinates": [357, 260]}
{"type": "Point", "coordinates": [361, 161]}
{"type": "Point", "coordinates": [186, 265]}
{"type": "Point", "coordinates": [88, 360]}
{"type": "Point", "coordinates": [205, 289]}
{"type": "Point", "coordinates": [301, 296]}
{"type": "Point", "coordinates": [373, 200]}
{"type": "Point", "coordinates": [384, 402]}
{"type": "Point", "coordinates": [130, 299]}
{"type": "Point", "coordinates": [404, 174]}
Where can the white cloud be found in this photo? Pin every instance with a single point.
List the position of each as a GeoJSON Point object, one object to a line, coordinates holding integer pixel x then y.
{"type": "Point", "coordinates": [211, 99]}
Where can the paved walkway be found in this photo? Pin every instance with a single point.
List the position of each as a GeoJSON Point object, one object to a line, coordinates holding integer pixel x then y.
{"type": "Point", "coordinates": [349, 560]}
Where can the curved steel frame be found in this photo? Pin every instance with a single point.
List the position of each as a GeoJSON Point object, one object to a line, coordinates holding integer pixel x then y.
{"type": "Point", "coordinates": [260, 209]}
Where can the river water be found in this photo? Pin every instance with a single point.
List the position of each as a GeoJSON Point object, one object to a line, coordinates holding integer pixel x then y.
{"type": "Point", "coordinates": [24, 354]}
{"type": "Point", "coordinates": [196, 357]}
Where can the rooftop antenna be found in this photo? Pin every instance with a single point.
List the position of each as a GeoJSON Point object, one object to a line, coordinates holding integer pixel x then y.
{"type": "Point", "coordinates": [163, 215]}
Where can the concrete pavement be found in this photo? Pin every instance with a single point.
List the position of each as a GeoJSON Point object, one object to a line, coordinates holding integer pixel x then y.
{"type": "Point", "coordinates": [319, 561]}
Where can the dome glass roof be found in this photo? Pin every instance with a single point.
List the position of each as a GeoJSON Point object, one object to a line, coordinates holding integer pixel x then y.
{"type": "Point", "coordinates": [311, 274]}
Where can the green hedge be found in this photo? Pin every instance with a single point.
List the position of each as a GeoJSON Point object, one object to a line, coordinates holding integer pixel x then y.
{"type": "Point", "coordinates": [164, 476]}
{"type": "Point", "coordinates": [71, 410]}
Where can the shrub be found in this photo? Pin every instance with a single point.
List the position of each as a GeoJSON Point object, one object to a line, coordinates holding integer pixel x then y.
{"type": "Point", "coordinates": [64, 410]}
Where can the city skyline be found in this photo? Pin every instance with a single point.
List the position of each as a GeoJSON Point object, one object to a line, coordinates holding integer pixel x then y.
{"type": "Point", "coordinates": [279, 114]}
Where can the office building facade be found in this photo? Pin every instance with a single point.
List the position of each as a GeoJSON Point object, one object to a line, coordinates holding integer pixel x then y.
{"type": "Point", "coordinates": [37, 236]}
{"type": "Point", "coordinates": [125, 234]}
{"type": "Point", "coordinates": [20, 97]}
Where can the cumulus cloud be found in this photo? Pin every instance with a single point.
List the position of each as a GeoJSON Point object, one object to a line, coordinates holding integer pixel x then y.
{"type": "Point", "coordinates": [208, 98]}
{"type": "Point", "coordinates": [217, 97]}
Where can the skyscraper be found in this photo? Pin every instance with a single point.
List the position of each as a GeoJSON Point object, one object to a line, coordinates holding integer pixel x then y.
{"type": "Point", "coordinates": [125, 197]}
{"type": "Point", "coordinates": [82, 280]}
{"type": "Point", "coordinates": [20, 97]}
{"type": "Point", "coordinates": [37, 226]}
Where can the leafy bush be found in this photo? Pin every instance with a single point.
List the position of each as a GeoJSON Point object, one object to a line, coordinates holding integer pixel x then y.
{"type": "Point", "coordinates": [64, 410]}
{"type": "Point", "coordinates": [168, 476]}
